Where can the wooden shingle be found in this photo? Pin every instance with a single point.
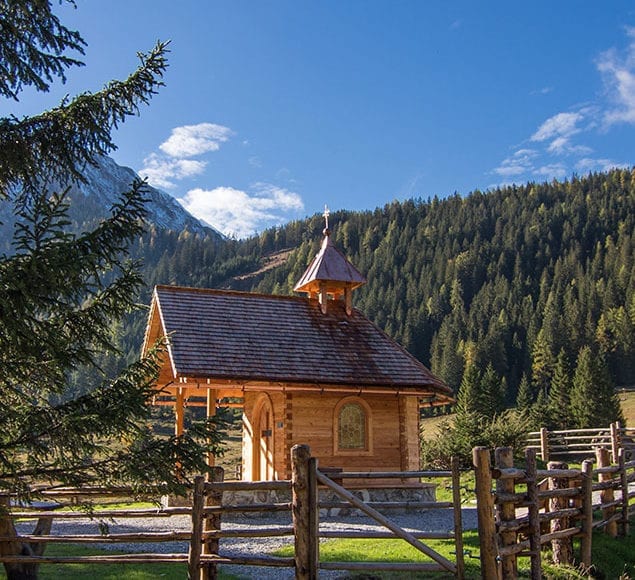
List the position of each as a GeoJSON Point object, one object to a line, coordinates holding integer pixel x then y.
{"type": "Point", "coordinates": [215, 334]}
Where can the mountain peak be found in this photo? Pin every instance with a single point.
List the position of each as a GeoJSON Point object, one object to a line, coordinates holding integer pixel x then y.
{"type": "Point", "coordinates": [106, 179]}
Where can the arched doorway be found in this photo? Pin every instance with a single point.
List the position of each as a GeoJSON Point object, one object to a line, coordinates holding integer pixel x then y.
{"type": "Point", "coordinates": [263, 440]}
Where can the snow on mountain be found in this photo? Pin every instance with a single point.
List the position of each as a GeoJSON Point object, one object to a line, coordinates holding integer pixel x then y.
{"type": "Point", "coordinates": [107, 179]}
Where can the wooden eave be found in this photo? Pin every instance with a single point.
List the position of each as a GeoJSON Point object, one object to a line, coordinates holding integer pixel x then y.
{"type": "Point", "coordinates": [234, 341]}
{"type": "Point", "coordinates": [233, 388]}
{"type": "Point", "coordinates": [155, 330]}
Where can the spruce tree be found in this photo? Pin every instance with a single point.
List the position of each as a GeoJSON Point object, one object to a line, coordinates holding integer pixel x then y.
{"type": "Point", "coordinates": [492, 392]}
{"type": "Point", "coordinates": [469, 400]}
{"type": "Point", "coordinates": [542, 363]}
{"type": "Point", "coordinates": [594, 402]}
{"type": "Point", "coordinates": [60, 292]}
{"type": "Point", "coordinates": [582, 391]}
{"type": "Point", "coordinates": [607, 400]}
{"type": "Point", "coordinates": [524, 399]}
{"type": "Point", "coordinates": [559, 393]}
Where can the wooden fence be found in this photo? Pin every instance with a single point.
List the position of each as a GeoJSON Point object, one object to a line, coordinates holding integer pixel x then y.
{"type": "Point", "coordinates": [577, 444]}
{"type": "Point", "coordinates": [529, 507]}
{"type": "Point", "coordinates": [27, 550]}
{"type": "Point", "coordinates": [305, 508]}
{"type": "Point", "coordinates": [519, 510]}
{"type": "Point", "coordinates": [300, 498]}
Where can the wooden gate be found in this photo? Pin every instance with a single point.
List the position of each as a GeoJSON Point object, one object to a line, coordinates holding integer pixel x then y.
{"type": "Point", "coordinates": [306, 509]}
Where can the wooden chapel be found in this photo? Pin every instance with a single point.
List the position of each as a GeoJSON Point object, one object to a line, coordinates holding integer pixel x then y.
{"type": "Point", "coordinates": [309, 369]}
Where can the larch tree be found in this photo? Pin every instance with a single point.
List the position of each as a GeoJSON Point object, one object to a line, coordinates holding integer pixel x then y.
{"type": "Point", "coordinates": [60, 292]}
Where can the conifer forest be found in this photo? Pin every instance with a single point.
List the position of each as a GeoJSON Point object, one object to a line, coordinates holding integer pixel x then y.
{"type": "Point", "coordinates": [522, 283]}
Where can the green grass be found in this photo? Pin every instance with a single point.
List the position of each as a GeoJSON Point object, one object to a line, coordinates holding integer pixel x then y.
{"type": "Point", "coordinates": [104, 571]}
{"type": "Point", "coordinates": [348, 550]}
{"type": "Point", "coordinates": [444, 491]}
{"type": "Point", "coordinates": [613, 558]}
{"type": "Point", "coordinates": [166, 571]}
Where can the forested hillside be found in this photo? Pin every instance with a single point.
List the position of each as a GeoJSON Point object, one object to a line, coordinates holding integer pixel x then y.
{"type": "Point", "coordinates": [510, 277]}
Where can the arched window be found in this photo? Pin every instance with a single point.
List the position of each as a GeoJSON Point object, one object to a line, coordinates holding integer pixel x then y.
{"type": "Point", "coordinates": [352, 430]}
{"type": "Point", "coordinates": [352, 426]}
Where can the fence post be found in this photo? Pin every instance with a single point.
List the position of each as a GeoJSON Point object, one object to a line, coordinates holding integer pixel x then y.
{"type": "Point", "coordinates": [485, 512]}
{"type": "Point", "coordinates": [615, 440]}
{"type": "Point", "coordinates": [506, 510]}
{"type": "Point", "coordinates": [624, 486]}
{"type": "Point", "coordinates": [562, 547]}
{"type": "Point", "coordinates": [458, 521]}
{"type": "Point", "coordinates": [544, 444]}
{"type": "Point", "coordinates": [314, 514]}
{"type": "Point", "coordinates": [305, 563]}
{"type": "Point", "coordinates": [194, 555]}
{"type": "Point", "coordinates": [586, 485]}
{"type": "Point", "coordinates": [212, 523]}
{"type": "Point", "coordinates": [533, 515]}
{"type": "Point", "coordinates": [606, 495]}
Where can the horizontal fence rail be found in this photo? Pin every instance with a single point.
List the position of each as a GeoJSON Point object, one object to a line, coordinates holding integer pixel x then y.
{"type": "Point", "coordinates": [576, 444]}
{"type": "Point", "coordinates": [519, 508]}
{"type": "Point", "coordinates": [551, 505]}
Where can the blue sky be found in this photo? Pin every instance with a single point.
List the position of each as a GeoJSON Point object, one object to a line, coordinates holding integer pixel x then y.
{"type": "Point", "coordinates": [273, 109]}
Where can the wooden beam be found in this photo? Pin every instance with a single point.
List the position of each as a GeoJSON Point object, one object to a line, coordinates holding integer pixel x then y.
{"type": "Point", "coordinates": [211, 412]}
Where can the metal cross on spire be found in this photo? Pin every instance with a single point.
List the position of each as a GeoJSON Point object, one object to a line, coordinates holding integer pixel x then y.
{"type": "Point", "coordinates": [326, 215]}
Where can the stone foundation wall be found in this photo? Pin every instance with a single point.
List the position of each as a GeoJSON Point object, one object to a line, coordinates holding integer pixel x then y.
{"type": "Point", "coordinates": [420, 493]}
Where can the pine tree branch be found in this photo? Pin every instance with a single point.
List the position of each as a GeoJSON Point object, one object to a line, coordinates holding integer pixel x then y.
{"type": "Point", "coordinates": [56, 145]}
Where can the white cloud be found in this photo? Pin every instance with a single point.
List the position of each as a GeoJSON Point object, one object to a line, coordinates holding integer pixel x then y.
{"type": "Point", "coordinates": [560, 126]}
{"type": "Point", "coordinates": [588, 164]}
{"type": "Point", "coordinates": [192, 140]}
{"type": "Point", "coordinates": [517, 164]}
{"type": "Point", "coordinates": [161, 171]}
{"type": "Point", "coordinates": [552, 171]}
{"type": "Point", "coordinates": [240, 213]}
{"type": "Point", "coordinates": [619, 77]}
{"type": "Point", "coordinates": [562, 146]}
{"type": "Point", "coordinates": [555, 152]}
{"type": "Point", "coordinates": [232, 211]}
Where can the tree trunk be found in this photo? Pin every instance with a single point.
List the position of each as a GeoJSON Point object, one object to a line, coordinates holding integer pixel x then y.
{"type": "Point", "coordinates": [16, 571]}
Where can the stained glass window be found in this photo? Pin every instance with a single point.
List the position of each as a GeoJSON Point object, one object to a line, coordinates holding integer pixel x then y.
{"type": "Point", "coordinates": [352, 427]}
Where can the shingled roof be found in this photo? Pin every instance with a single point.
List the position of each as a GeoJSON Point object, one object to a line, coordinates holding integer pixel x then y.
{"type": "Point", "coordinates": [244, 337]}
{"type": "Point", "coordinates": [331, 267]}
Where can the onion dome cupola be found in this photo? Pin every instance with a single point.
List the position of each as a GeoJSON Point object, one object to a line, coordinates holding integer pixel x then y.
{"type": "Point", "coordinates": [330, 274]}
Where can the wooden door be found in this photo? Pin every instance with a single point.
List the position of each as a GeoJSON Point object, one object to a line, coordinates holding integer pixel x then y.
{"type": "Point", "coordinates": [263, 452]}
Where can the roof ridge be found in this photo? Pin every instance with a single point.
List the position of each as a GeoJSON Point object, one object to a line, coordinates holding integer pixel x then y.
{"type": "Point", "coordinates": [229, 292]}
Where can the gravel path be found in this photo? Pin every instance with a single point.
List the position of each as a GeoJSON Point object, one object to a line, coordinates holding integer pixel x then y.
{"type": "Point", "coordinates": [431, 520]}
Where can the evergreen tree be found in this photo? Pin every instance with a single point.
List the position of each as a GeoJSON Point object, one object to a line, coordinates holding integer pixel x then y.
{"type": "Point", "coordinates": [559, 402]}
{"type": "Point", "coordinates": [539, 412]}
{"type": "Point", "coordinates": [60, 292]}
{"type": "Point", "coordinates": [492, 392]}
{"type": "Point", "coordinates": [594, 402]}
{"type": "Point", "coordinates": [468, 400]}
{"type": "Point", "coordinates": [607, 399]}
{"type": "Point", "coordinates": [524, 399]}
{"type": "Point", "coordinates": [542, 363]}
{"type": "Point", "coordinates": [582, 391]}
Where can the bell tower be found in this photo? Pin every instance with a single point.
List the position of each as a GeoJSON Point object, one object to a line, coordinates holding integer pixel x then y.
{"type": "Point", "coordinates": [330, 275]}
